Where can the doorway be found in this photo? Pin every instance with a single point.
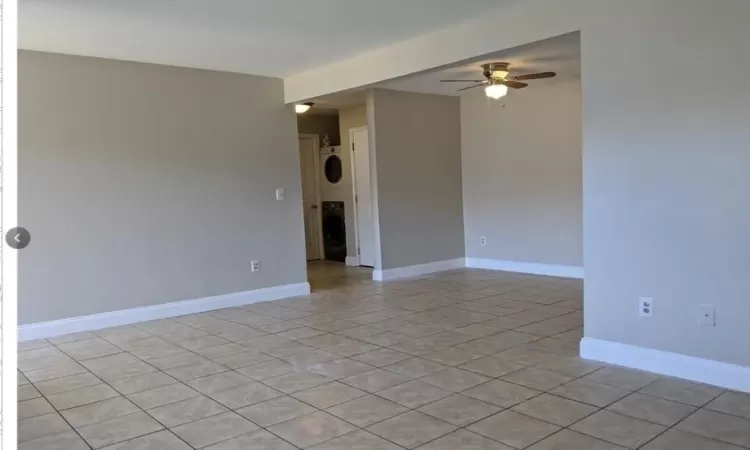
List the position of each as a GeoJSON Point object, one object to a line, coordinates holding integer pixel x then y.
{"type": "Point", "coordinates": [364, 223]}
{"type": "Point", "coordinates": [309, 149]}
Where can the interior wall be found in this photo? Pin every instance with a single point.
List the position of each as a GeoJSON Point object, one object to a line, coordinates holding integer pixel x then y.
{"type": "Point", "coordinates": [418, 158]}
{"type": "Point", "coordinates": [320, 124]}
{"type": "Point", "coordinates": [349, 117]}
{"type": "Point", "coordinates": [145, 184]}
{"type": "Point", "coordinates": [522, 181]}
{"type": "Point", "coordinates": [667, 178]}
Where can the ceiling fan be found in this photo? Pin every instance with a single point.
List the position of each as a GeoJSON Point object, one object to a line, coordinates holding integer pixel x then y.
{"type": "Point", "coordinates": [497, 79]}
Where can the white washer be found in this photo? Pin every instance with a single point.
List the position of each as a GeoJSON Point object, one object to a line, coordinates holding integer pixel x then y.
{"type": "Point", "coordinates": [334, 173]}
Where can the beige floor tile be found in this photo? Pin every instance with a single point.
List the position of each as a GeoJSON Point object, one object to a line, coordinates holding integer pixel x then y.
{"type": "Point", "coordinates": [99, 412]}
{"type": "Point", "coordinates": [82, 396]}
{"type": "Point", "coordinates": [382, 357]}
{"type": "Point", "coordinates": [119, 429]}
{"type": "Point", "coordinates": [90, 348]}
{"type": "Point", "coordinates": [682, 391]}
{"type": "Point", "coordinates": [719, 426]}
{"type": "Point", "coordinates": [460, 410]}
{"type": "Point", "coordinates": [621, 378]}
{"type": "Point", "coordinates": [652, 409]}
{"type": "Point", "coordinates": [535, 378]}
{"type": "Point", "coordinates": [40, 426]}
{"type": "Point", "coordinates": [65, 384]}
{"type": "Point", "coordinates": [570, 440]}
{"type": "Point", "coordinates": [342, 368]}
{"type": "Point", "coordinates": [454, 379]}
{"type": "Point", "coordinates": [303, 360]}
{"type": "Point", "coordinates": [464, 440]}
{"type": "Point", "coordinates": [618, 429]}
{"type": "Point", "coordinates": [491, 366]}
{"type": "Point", "coordinates": [311, 429]}
{"type": "Point", "coordinates": [327, 395]}
{"type": "Point", "coordinates": [219, 382]}
{"type": "Point", "coordinates": [176, 360]}
{"type": "Point", "coordinates": [244, 359]}
{"type": "Point", "coordinates": [161, 440]}
{"type": "Point", "coordinates": [64, 369]}
{"type": "Point", "coordinates": [296, 381]}
{"type": "Point", "coordinates": [358, 440]}
{"type": "Point", "coordinates": [186, 411]}
{"type": "Point", "coordinates": [589, 392]}
{"type": "Point", "coordinates": [415, 367]}
{"type": "Point", "coordinates": [376, 380]}
{"type": "Point", "coordinates": [452, 356]}
{"type": "Point", "coordinates": [142, 383]}
{"type": "Point", "coordinates": [501, 393]}
{"type": "Point", "coordinates": [245, 395]}
{"type": "Point", "coordinates": [574, 367]}
{"type": "Point", "coordinates": [211, 430]}
{"type": "Point", "coordinates": [412, 429]}
{"type": "Point", "coordinates": [267, 369]}
{"type": "Point", "coordinates": [414, 394]}
{"type": "Point", "coordinates": [735, 403]}
{"type": "Point", "coordinates": [258, 440]}
{"type": "Point", "coordinates": [275, 411]}
{"type": "Point", "coordinates": [513, 429]}
{"type": "Point", "coordinates": [680, 440]}
{"type": "Point", "coordinates": [34, 407]}
{"type": "Point", "coordinates": [68, 440]}
{"type": "Point", "coordinates": [366, 411]}
{"type": "Point", "coordinates": [557, 410]}
{"type": "Point", "coordinates": [164, 395]}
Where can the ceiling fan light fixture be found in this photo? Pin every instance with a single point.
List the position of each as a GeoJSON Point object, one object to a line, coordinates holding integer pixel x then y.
{"type": "Point", "coordinates": [302, 108]}
{"type": "Point", "coordinates": [496, 91]}
{"type": "Point", "coordinates": [500, 74]}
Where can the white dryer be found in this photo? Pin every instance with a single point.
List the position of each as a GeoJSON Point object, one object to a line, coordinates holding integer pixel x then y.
{"type": "Point", "coordinates": [334, 173]}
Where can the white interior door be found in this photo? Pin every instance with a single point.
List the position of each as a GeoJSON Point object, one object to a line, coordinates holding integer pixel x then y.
{"type": "Point", "coordinates": [309, 161]}
{"type": "Point", "coordinates": [365, 223]}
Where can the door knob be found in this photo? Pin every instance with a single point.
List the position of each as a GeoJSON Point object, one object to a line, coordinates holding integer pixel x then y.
{"type": "Point", "coordinates": [314, 206]}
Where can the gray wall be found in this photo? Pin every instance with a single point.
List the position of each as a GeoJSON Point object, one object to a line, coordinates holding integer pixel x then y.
{"type": "Point", "coordinates": [349, 117]}
{"type": "Point", "coordinates": [418, 169]}
{"type": "Point", "coordinates": [522, 174]}
{"type": "Point", "coordinates": [144, 184]}
{"type": "Point", "coordinates": [320, 124]}
{"type": "Point", "coordinates": [667, 176]}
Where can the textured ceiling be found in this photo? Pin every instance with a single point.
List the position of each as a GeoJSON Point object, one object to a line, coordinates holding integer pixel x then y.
{"type": "Point", "coordinates": [265, 37]}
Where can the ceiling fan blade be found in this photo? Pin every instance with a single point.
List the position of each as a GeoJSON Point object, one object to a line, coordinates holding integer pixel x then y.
{"type": "Point", "coordinates": [461, 81]}
{"type": "Point", "coordinates": [535, 76]}
{"type": "Point", "coordinates": [472, 87]}
{"type": "Point", "coordinates": [514, 84]}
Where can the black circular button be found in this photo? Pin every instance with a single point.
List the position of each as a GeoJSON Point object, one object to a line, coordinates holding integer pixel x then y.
{"type": "Point", "coordinates": [18, 237]}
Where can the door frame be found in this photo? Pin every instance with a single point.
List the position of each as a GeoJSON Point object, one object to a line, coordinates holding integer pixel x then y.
{"type": "Point", "coordinates": [354, 185]}
{"type": "Point", "coordinates": [316, 165]}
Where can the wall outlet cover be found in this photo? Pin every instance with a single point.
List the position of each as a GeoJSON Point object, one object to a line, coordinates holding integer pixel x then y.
{"type": "Point", "coordinates": [483, 240]}
{"type": "Point", "coordinates": [254, 265]}
{"type": "Point", "coordinates": [707, 315]}
{"type": "Point", "coordinates": [279, 194]}
{"type": "Point", "coordinates": [646, 307]}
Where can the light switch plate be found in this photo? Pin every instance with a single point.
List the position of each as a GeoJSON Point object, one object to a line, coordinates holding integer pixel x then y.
{"type": "Point", "coordinates": [707, 315]}
{"type": "Point", "coordinates": [279, 194]}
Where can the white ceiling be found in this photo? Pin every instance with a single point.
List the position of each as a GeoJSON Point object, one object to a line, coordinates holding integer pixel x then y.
{"type": "Point", "coordinates": [264, 37]}
{"type": "Point", "coordinates": [561, 54]}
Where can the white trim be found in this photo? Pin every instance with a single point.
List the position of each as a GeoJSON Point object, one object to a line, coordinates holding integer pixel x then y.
{"type": "Point", "coordinates": [716, 373]}
{"type": "Point", "coordinates": [419, 269]}
{"type": "Point", "coordinates": [352, 260]}
{"type": "Point", "coordinates": [116, 318]}
{"type": "Point", "coordinates": [554, 270]}
{"type": "Point", "coordinates": [316, 168]}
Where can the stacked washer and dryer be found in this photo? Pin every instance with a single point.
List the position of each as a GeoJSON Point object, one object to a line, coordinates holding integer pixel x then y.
{"type": "Point", "coordinates": [333, 191]}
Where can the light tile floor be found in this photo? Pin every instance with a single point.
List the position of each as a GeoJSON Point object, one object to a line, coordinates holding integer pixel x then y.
{"type": "Point", "coordinates": [467, 359]}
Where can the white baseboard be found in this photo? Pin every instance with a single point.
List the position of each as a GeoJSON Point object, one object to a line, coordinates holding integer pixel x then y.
{"type": "Point", "coordinates": [60, 327]}
{"type": "Point", "coordinates": [700, 370]}
{"type": "Point", "coordinates": [352, 260]}
{"type": "Point", "coordinates": [417, 270]}
{"type": "Point", "coordinates": [554, 270]}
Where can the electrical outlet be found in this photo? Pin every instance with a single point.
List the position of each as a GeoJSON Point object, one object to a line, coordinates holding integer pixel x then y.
{"type": "Point", "coordinates": [707, 315]}
{"type": "Point", "coordinates": [483, 240]}
{"type": "Point", "coordinates": [279, 194]}
{"type": "Point", "coordinates": [645, 307]}
{"type": "Point", "coordinates": [255, 266]}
